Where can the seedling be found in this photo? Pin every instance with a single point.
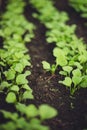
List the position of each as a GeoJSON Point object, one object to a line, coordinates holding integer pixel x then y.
{"type": "Point", "coordinates": [48, 67]}
{"type": "Point", "coordinates": [74, 82]}
{"type": "Point", "coordinates": [28, 118]}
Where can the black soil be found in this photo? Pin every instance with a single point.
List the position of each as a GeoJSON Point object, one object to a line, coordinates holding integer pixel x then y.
{"type": "Point", "coordinates": [71, 110]}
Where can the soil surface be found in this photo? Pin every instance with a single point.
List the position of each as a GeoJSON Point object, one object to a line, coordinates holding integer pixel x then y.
{"type": "Point", "coordinates": [46, 89]}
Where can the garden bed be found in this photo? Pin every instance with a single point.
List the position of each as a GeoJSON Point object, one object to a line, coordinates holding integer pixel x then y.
{"type": "Point", "coordinates": [46, 89]}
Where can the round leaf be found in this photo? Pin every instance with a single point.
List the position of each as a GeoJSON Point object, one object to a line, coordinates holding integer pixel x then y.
{"type": "Point", "coordinates": [46, 65]}
{"type": "Point", "coordinates": [28, 95]}
{"type": "Point", "coordinates": [14, 88]}
{"type": "Point", "coordinates": [47, 112]}
{"type": "Point", "coordinates": [21, 79]}
{"type": "Point", "coordinates": [60, 57]}
{"type": "Point", "coordinates": [11, 97]}
{"type": "Point", "coordinates": [67, 81]}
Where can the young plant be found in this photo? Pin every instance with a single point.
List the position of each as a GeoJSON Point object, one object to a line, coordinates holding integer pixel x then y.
{"type": "Point", "coordinates": [76, 81]}
{"type": "Point", "coordinates": [29, 118]}
{"type": "Point", "coordinates": [48, 67]}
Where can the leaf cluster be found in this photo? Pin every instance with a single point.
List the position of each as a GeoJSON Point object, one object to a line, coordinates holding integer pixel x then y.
{"type": "Point", "coordinates": [14, 26]}
{"type": "Point", "coordinates": [29, 118]}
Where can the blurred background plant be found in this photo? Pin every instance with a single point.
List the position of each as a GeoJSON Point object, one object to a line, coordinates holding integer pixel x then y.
{"type": "Point", "coordinates": [80, 6]}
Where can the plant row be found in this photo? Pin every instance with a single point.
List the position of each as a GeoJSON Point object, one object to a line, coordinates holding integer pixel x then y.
{"type": "Point", "coordinates": [80, 6]}
{"type": "Point", "coordinates": [70, 52]}
{"type": "Point", "coordinates": [13, 55]}
{"type": "Point", "coordinates": [14, 58]}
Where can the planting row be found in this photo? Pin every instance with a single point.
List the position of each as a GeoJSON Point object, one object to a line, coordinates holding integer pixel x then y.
{"type": "Point", "coordinates": [70, 52]}
{"type": "Point", "coordinates": [14, 57]}
{"type": "Point", "coordinates": [80, 6]}
{"type": "Point", "coordinates": [16, 31]}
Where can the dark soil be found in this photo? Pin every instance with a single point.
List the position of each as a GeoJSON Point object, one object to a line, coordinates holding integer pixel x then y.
{"type": "Point", "coordinates": [71, 110]}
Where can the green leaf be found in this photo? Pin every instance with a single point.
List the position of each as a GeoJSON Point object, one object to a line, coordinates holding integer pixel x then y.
{"type": "Point", "coordinates": [21, 123]}
{"type": "Point", "coordinates": [60, 57]}
{"type": "Point", "coordinates": [63, 73]}
{"type": "Point", "coordinates": [26, 87]}
{"type": "Point", "coordinates": [46, 65]}
{"type": "Point", "coordinates": [47, 112]}
{"type": "Point", "coordinates": [67, 81]}
{"type": "Point", "coordinates": [21, 107]}
{"type": "Point", "coordinates": [76, 80]}
{"type": "Point", "coordinates": [28, 95]}
{"type": "Point", "coordinates": [27, 73]}
{"type": "Point", "coordinates": [27, 38]}
{"type": "Point", "coordinates": [2, 63]}
{"type": "Point", "coordinates": [34, 121]}
{"type": "Point", "coordinates": [4, 84]}
{"type": "Point", "coordinates": [9, 115]}
{"type": "Point", "coordinates": [76, 76]}
{"type": "Point", "coordinates": [83, 83]}
{"type": "Point", "coordinates": [76, 72]}
{"type": "Point", "coordinates": [19, 67]}
{"type": "Point", "coordinates": [8, 125]}
{"type": "Point", "coordinates": [82, 58]}
{"type": "Point", "coordinates": [18, 55]}
{"type": "Point", "coordinates": [67, 69]}
{"type": "Point", "coordinates": [14, 88]}
{"type": "Point", "coordinates": [10, 74]}
{"type": "Point", "coordinates": [11, 97]}
{"type": "Point", "coordinates": [25, 62]}
{"type": "Point", "coordinates": [79, 66]}
{"type": "Point", "coordinates": [71, 62]}
{"type": "Point", "coordinates": [21, 79]}
{"type": "Point", "coordinates": [31, 111]}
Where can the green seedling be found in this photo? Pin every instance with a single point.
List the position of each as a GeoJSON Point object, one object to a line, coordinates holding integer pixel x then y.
{"type": "Point", "coordinates": [28, 117]}
{"type": "Point", "coordinates": [48, 67]}
{"type": "Point", "coordinates": [75, 82]}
